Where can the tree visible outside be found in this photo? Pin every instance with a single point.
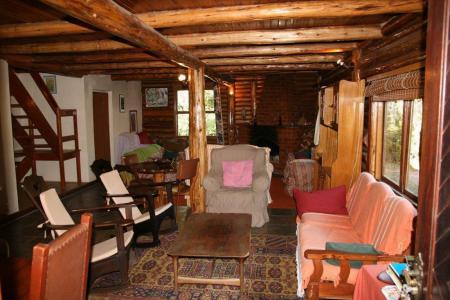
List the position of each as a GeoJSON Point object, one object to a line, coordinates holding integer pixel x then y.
{"type": "Point", "coordinates": [392, 144]}
{"type": "Point", "coordinates": [412, 175]}
{"type": "Point", "coordinates": [183, 113]}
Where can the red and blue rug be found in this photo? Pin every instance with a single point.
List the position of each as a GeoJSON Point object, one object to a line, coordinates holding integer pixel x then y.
{"type": "Point", "coordinates": [270, 273]}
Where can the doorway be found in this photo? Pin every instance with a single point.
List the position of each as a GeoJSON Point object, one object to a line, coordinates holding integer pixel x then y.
{"type": "Point", "coordinates": [101, 126]}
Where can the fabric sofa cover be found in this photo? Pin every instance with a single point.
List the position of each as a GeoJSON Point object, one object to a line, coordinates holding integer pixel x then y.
{"type": "Point", "coordinates": [376, 216]}
{"type": "Point", "coordinates": [252, 200]}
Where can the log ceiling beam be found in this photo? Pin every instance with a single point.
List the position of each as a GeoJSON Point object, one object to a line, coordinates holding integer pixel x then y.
{"type": "Point", "coordinates": [131, 77]}
{"type": "Point", "coordinates": [287, 67]}
{"type": "Point", "coordinates": [240, 13]}
{"type": "Point", "coordinates": [213, 52]}
{"type": "Point", "coordinates": [112, 18]}
{"type": "Point", "coordinates": [124, 65]}
{"type": "Point", "coordinates": [84, 58]}
{"type": "Point", "coordinates": [267, 60]}
{"type": "Point", "coordinates": [317, 34]}
{"type": "Point", "coordinates": [65, 47]}
{"type": "Point", "coordinates": [176, 71]}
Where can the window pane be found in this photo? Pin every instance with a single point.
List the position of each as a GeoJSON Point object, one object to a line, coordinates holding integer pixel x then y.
{"type": "Point", "coordinates": [183, 100]}
{"type": "Point", "coordinates": [183, 124]}
{"type": "Point", "coordinates": [209, 100]}
{"type": "Point", "coordinates": [211, 124]}
{"type": "Point", "coordinates": [412, 172]}
{"type": "Point", "coordinates": [392, 143]}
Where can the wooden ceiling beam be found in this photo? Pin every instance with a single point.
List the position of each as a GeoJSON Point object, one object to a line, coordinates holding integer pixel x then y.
{"type": "Point", "coordinates": [129, 77]}
{"type": "Point", "coordinates": [299, 67]}
{"type": "Point", "coordinates": [238, 13]}
{"type": "Point", "coordinates": [267, 60]}
{"type": "Point", "coordinates": [213, 52]}
{"type": "Point", "coordinates": [176, 71]}
{"type": "Point", "coordinates": [64, 47]}
{"type": "Point", "coordinates": [115, 66]}
{"type": "Point", "coordinates": [302, 35]}
{"type": "Point", "coordinates": [112, 18]}
{"type": "Point", "coordinates": [84, 58]}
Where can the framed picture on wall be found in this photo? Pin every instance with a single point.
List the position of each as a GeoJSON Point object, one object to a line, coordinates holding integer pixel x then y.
{"type": "Point", "coordinates": [121, 103]}
{"type": "Point", "coordinates": [133, 120]}
{"type": "Point", "coordinates": [50, 82]}
{"type": "Point", "coordinates": [156, 97]}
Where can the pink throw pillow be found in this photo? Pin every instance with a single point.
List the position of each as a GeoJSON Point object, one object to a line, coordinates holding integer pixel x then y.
{"type": "Point", "coordinates": [237, 173]}
{"type": "Point", "coordinates": [330, 201]}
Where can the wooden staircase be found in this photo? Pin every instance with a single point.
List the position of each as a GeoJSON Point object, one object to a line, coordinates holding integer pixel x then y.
{"type": "Point", "coordinates": [34, 134]}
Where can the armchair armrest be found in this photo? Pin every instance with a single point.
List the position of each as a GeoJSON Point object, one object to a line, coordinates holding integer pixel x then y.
{"type": "Point", "coordinates": [260, 181]}
{"type": "Point", "coordinates": [211, 181]}
{"type": "Point", "coordinates": [109, 207]}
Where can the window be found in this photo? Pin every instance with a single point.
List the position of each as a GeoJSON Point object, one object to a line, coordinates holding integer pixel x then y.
{"type": "Point", "coordinates": [183, 113]}
{"type": "Point", "coordinates": [401, 145]}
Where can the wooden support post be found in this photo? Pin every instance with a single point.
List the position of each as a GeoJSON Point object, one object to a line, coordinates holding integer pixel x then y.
{"type": "Point", "coordinates": [356, 56]}
{"type": "Point", "coordinates": [253, 95]}
{"type": "Point", "coordinates": [197, 136]}
{"type": "Point", "coordinates": [231, 124]}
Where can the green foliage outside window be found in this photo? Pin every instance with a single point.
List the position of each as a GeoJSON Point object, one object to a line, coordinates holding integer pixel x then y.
{"type": "Point", "coordinates": [183, 113]}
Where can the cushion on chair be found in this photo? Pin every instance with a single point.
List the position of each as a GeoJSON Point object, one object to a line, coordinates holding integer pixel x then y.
{"type": "Point", "coordinates": [331, 201]}
{"type": "Point", "coordinates": [108, 248]}
{"type": "Point", "coordinates": [350, 248]}
{"type": "Point", "coordinates": [357, 193]}
{"type": "Point", "coordinates": [54, 209]}
{"type": "Point", "coordinates": [336, 221]}
{"type": "Point", "coordinates": [237, 173]}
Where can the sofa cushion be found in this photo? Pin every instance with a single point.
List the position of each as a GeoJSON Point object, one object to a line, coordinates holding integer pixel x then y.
{"type": "Point", "coordinates": [370, 215]}
{"type": "Point", "coordinates": [312, 236]}
{"type": "Point", "coordinates": [350, 248]}
{"type": "Point", "coordinates": [393, 231]}
{"type": "Point", "coordinates": [331, 201]}
{"type": "Point", "coordinates": [357, 193]}
{"type": "Point", "coordinates": [237, 173]}
{"type": "Point", "coordinates": [336, 221]}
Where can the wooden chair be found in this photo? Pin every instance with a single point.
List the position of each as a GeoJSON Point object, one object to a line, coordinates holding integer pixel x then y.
{"type": "Point", "coordinates": [59, 269]}
{"type": "Point", "coordinates": [186, 170]}
{"type": "Point", "coordinates": [33, 186]}
{"type": "Point", "coordinates": [144, 221]}
{"type": "Point", "coordinates": [107, 256]}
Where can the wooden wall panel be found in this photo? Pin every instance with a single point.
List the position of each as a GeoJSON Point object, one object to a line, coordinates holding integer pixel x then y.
{"type": "Point", "coordinates": [402, 45]}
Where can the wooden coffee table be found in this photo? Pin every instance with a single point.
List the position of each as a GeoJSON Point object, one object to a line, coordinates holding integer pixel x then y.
{"type": "Point", "coordinates": [211, 235]}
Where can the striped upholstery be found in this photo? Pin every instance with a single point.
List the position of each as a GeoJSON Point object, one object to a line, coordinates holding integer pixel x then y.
{"type": "Point", "coordinates": [374, 201]}
{"type": "Point", "coordinates": [356, 194]}
{"type": "Point", "coordinates": [393, 232]}
{"type": "Point", "coordinates": [302, 174]}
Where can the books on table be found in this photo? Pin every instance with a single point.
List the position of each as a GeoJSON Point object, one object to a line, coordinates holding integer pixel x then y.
{"type": "Point", "coordinates": [395, 271]}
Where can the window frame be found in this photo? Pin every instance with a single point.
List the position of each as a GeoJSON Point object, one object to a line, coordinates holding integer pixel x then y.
{"type": "Point", "coordinates": [404, 150]}
{"type": "Point", "coordinates": [177, 112]}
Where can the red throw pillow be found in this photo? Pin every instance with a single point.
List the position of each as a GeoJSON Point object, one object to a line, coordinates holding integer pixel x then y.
{"type": "Point", "coordinates": [330, 201]}
{"type": "Point", "coordinates": [144, 138]}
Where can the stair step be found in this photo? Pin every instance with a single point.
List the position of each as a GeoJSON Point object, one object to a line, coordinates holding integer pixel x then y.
{"type": "Point", "coordinates": [28, 127]}
{"type": "Point", "coordinates": [21, 117]}
{"type": "Point", "coordinates": [19, 153]}
{"type": "Point", "coordinates": [16, 105]}
{"type": "Point", "coordinates": [42, 146]}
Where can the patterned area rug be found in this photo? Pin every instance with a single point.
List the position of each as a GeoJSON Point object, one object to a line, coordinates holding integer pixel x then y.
{"type": "Point", "coordinates": [270, 273]}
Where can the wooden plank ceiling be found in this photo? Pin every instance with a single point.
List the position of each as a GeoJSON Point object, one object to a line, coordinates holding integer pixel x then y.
{"type": "Point", "coordinates": [229, 37]}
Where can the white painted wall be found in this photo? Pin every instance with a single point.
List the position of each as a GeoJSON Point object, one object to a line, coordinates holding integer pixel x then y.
{"type": "Point", "coordinates": [76, 93]}
{"type": "Point", "coordinates": [118, 122]}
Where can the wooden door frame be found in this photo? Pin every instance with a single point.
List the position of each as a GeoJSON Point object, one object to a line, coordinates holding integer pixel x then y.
{"type": "Point", "coordinates": [110, 120]}
{"type": "Point", "coordinates": [431, 149]}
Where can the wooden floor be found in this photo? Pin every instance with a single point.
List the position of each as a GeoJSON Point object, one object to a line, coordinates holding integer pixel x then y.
{"type": "Point", "coordinates": [22, 234]}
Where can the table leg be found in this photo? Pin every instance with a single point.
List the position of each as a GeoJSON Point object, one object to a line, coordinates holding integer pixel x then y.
{"type": "Point", "coordinates": [241, 273]}
{"type": "Point", "coordinates": [175, 274]}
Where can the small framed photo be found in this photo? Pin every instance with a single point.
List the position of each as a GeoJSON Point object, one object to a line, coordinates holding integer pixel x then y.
{"type": "Point", "coordinates": [133, 120]}
{"type": "Point", "coordinates": [121, 103]}
{"type": "Point", "coordinates": [50, 82]}
{"type": "Point", "coordinates": [156, 97]}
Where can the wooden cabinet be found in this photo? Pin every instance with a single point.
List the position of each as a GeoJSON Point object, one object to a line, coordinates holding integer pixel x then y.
{"type": "Point", "coordinates": [340, 142]}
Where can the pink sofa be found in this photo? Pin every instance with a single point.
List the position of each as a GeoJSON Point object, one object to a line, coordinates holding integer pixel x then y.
{"type": "Point", "coordinates": [375, 216]}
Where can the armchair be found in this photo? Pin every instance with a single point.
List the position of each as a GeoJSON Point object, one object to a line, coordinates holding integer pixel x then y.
{"type": "Point", "coordinates": [252, 199]}
{"type": "Point", "coordinates": [107, 256]}
{"type": "Point", "coordinates": [144, 222]}
{"type": "Point", "coordinates": [73, 248]}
